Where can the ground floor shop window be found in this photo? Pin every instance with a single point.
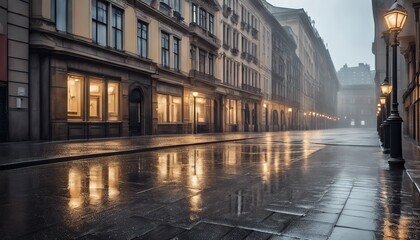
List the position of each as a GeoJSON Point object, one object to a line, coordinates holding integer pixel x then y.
{"type": "Point", "coordinates": [169, 108]}
{"type": "Point", "coordinates": [90, 104]}
{"type": "Point", "coordinates": [203, 110]}
{"type": "Point", "coordinates": [231, 111]}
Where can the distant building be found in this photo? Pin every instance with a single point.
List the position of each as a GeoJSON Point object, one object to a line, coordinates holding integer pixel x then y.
{"type": "Point", "coordinates": [356, 97]}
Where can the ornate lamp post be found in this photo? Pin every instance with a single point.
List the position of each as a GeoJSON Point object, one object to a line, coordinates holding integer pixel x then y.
{"type": "Point", "coordinates": [395, 19]}
{"type": "Point", "coordinates": [195, 94]}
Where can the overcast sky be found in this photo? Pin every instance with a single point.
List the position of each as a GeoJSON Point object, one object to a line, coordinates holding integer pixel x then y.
{"type": "Point", "coordinates": [345, 25]}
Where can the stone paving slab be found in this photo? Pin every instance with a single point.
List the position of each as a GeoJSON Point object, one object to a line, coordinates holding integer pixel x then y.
{"type": "Point", "coordinates": [331, 191]}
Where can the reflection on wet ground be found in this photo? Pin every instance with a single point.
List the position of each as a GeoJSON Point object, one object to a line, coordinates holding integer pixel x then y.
{"type": "Point", "coordinates": [267, 188]}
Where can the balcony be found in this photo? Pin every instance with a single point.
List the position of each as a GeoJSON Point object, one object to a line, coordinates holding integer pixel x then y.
{"type": "Point", "coordinates": [243, 25]}
{"type": "Point", "coordinates": [250, 88]}
{"type": "Point", "coordinates": [226, 46]}
{"type": "Point", "coordinates": [177, 15]}
{"type": "Point", "coordinates": [249, 57]}
{"type": "Point", "coordinates": [243, 55]}
{"type": "Point", "coordinates": [234, 51]}
{"type": "Point", "coordinates": [226, 11]}
{"type": "Point", "coordinates": [255, 60]}
{"type": "Point", "coordinates": [254, 33]}
{"type": "Point", "coordinates": [234, 18]}
{"type": "Point", "coordinates": [195, 74]}
{"type": "Point", "coordinates": [165, 8]}
{"type": "Point", "coordinates": [202, 34]}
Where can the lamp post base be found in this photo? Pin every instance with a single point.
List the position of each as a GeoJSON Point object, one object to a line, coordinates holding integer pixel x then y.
{"type": "Point", "coordinates": [385, 150]}
{"type": "Point", "coordinates": [396, 163]}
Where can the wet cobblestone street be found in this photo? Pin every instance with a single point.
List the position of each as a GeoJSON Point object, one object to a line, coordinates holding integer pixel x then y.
{"type": "Point", "coordinates": [298, 185]}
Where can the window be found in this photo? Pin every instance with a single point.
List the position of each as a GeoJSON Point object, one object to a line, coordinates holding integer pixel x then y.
{"type": "Point", "coordinates": [93, 100]}
{"type": "Point", "coordinates": [74, 97]}
{"type": "Point", "coordinates": [169, 108]}
{"type": "Point", "coordinates": [59, 14]}
{"type": "Point", "coordinates": [202, 61]}
{"type": "Point", "coordinates": [211, 64]}
{"type": "Point", "coordinates": [99, 22]}
{"type": "Point", "coordinates": [203, 18]}
{"type": "Point", "coordinates": [176, 53]}
{"type": "Point", "coordinates": [235, 39]}
{"type": "Point", "coordinates": [177, 6]}
{"type": "Point", "coordinates": [194, 13]}
{"type": "Point", "coordinates": [165, 49]}
{"type": "Point", "coordinates": [113, 101]}
{"type": "Point", "coordinates": [211, 24]}
{"type": "Point", "coordinates": [142, 35]}
{"type": "Point", "coordinates": [117, 16]}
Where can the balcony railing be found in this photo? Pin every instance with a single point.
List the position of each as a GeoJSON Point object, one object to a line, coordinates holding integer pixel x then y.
{"type": "Point", "coordinates": [202, 76]}
{"type": "Point", "coordinates": [254, 33]}
{"type": "Point", "coordinates": [165, 8]}
{"type": "Point", "coordinates": [250, 88]}
{"type": "Point", "coordinates": [235, 51]}
{"type": "Point", "coordinates": [205, 34]}
{"type": "Point", "coordinates": [234, 18]}
{"type": "Point", "coordinates": [226, 11]}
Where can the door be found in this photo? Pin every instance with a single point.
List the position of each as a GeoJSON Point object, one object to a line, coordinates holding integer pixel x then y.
{"type": "Point", "coordinates": [136, 113]}
{"type": "Point", "coordinates": [247, 118]}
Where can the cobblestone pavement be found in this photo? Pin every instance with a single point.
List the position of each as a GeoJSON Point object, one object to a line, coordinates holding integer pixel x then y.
{"type": "Point", "coordinates": [290, 185]}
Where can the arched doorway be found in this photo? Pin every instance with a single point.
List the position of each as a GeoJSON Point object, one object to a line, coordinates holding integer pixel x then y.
{"type": "Point", "coordinates": [247, 118]}
{"type": "Point", "coordinates": [276, 126]}
{"type": "Point", "coordinates": [136, 112]}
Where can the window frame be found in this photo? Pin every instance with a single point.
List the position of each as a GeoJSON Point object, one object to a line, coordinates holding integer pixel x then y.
{"type": "Point", "coordinates": [96, 22]}
{"type": "Point", "coordinates": [142, 41]}
{"type": "Point", "coordinates": [165, 49]}
{"type": "Point", "coordinates": [117, 30]}
{"type": "Point", "coordinates": [176, 53]}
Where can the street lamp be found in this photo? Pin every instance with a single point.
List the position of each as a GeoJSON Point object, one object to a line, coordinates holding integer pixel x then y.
{"type": "Point", "coordinates": [195, 94]}
{"type": "Point", "coordinates": [386, 89]}
{"type": "Point", "coordinates": [395, 19]}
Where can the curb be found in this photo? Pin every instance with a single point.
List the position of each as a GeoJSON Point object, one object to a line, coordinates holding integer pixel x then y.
{"type": "Point", "coordinates": [43, 161]}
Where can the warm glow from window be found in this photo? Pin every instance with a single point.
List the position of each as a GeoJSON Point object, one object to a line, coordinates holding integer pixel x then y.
{"type": "Point", "coordinates": [169, 109]}
{"type": "Point", "coordinates": [95, 99]}
{"type": "Point", "coordinates": [75, 188]}
{"type": "Point", "coordinates": [95, 184]}
{"type": "Point", "coordinates": [113, 180]}
{"type": "Point", "coordinates": [113, 101]}
{"type": "Point", "coordinates": [74, 97]}
{"type": "Point", "coordinates": [231, 111]}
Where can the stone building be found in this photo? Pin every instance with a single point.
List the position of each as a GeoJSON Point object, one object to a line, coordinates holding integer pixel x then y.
{"type": "Point", "coordinates": [356, 97]}
{"type": "Point", "coordinates": [407, 62]}
{"type": "Point", "coordinates": [137, 67]}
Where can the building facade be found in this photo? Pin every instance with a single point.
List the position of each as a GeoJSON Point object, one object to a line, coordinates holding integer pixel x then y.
{"type": "Point", "coordinates": [357, 100]}
{"type": "Point", "coordinates": [407, 62]}
{"type": "Point", "coordinates": [314, 97]}
{"type": "Point", "coordinates": [131, 67]}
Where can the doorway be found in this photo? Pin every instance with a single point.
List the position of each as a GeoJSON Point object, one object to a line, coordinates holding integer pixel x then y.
{"type": "Point", "coordinates": [247, 118]}
{"type": "Point", "coordinates": [136, 113]}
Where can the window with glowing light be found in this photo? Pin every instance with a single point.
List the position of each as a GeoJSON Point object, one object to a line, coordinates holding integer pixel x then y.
{"type": "Point", "coordinates": [169, 109]}
{"type": "Point", "coordinates": [113, 101]}
{"type": "Point", "coordinates": [100, 100]}
{"type": "Point", "coordinates": [95, 99]}
{"type": "Point", "coordinates": [74, 97]}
